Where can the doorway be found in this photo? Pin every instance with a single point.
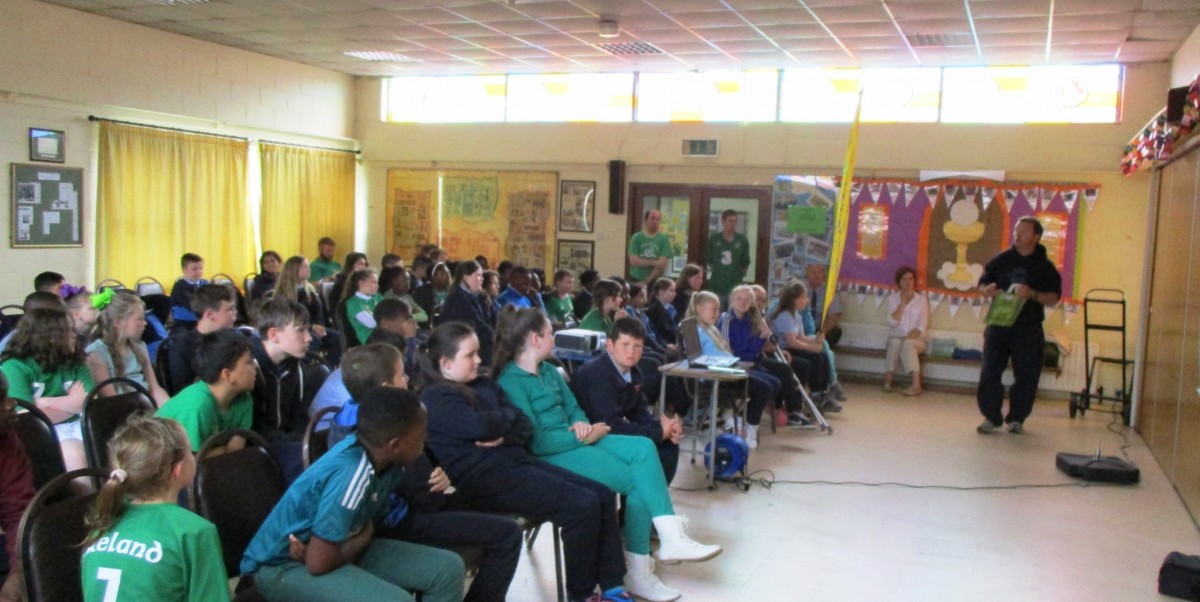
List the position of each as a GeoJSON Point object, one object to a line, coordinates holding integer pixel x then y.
{"type": "Point", "coordinates": [692, 213]}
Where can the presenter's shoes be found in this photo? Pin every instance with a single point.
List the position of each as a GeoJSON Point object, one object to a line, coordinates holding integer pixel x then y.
{"type": "Point", "coordinates": [838, 392]}
{"type": "Point", "coordinates": [1016, 427]}
{"type": "Point", "coordinates": [987, 427]}
{"type": "Point", "coordinates": [797, 420]}
{"type": "Point", "coordinates": [674, 544]}
{"type": "Point", "coordinates": [887, 388]}
{"type": "Point", "coordinates": [911, 392]}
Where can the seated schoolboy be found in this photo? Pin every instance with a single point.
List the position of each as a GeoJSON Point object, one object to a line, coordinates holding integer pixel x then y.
{"type": "Point", "coordinates": [49, 282]}
{"type": "Point", "coordinates": [424, 509]}
{"type": "Point", "coordinates": [215, 304]}
{"type": "Point", "coordinates": [517, 293]}
{"type": "Point", "coordinates": [317, 544]}
{"type": "Point", "coordinates": [220, 400]}
{"type": "Point", "coordinates": [609, 390]}
{"type": "Point", "coordinates": [16, 475]}
{"type": "Point", "coordinates": [184, 288]}
{"type": "Point", "coordinates": [285, 386]}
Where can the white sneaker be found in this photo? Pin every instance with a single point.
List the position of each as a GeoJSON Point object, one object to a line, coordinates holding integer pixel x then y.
{"type": "Point", "coordinates": [641, 581]}
{"type": "Point", "coordinates": [751, 436]}
{"type": "Point", "coordinates": [674, 544]}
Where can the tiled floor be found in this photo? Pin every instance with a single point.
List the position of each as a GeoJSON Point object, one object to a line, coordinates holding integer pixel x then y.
{"type": "Point", "coordinates": [850, 542]}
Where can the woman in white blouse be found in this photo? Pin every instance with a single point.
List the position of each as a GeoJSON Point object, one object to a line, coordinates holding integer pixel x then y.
{"type": "Point", "coordinates": [908, 318]}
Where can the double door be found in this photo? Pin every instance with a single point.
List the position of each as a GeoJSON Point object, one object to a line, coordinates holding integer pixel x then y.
{"type": "Point", "coordinates": [691, 214]}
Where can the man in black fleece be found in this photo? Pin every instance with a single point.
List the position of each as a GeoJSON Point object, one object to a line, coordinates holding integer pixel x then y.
{"type": "Point", "coordinates": [1028, 271]}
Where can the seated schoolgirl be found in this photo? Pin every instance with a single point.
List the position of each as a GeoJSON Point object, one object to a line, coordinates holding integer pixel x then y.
{"type": "Point", "coordinates": [787, 322]}
{"type": "Point", "coordinates": [661, 310]}
{"type": "Point", "coordinates": [354, 262]}
{"type": "Point", "coordinates": [360, 298]}
{"type": "Point", "coordinates": [293, 285]}
{"type": "Point", "coordinates": [433, 293]}
{"type": "Point", "coordinates": [318, 543]}
{"type": "Point", "coordinates": [749, 337]}
{"type": "Point", "coordinates": [394, 284]}
{"type": "Point", "coordinates": [119, 350]}
{"type": "Point", "coordinates": [563, 436]}
{"type": "Point", "coordinates": [141, 544]}
{"type": "Point", "coordinates": [479, 438]}
{"type": "Point", "coordinates": [608, 305]}
{"type": "Point", "coordinates": [690, 280]}
{"type": "Point", "coordinates": [269, 264]}
{"type": "Point", "coordinates": [466, 303]}
{"type": "Point", "coordinates": [44, 367]}
{"type": "Point", "coordinates": [764, 387]}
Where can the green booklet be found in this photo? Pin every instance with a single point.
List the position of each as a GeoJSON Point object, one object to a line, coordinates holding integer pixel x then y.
{"type": "Point", "coordinates": [1005, 308]}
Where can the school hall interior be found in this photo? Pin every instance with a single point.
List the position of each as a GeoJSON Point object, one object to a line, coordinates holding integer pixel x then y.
{"type": "Point", "coordinates": [964, 517]}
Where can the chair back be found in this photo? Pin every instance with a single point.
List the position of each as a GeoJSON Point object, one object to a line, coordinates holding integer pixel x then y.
{"type": "Point", "coordinates": [102, 416]}
{"type": "Point", "coordinates": [37, 434]}
{"type": "Point", "coordinates": [148, 285]}
{"type": "Point", "coordinates": [248, 282]}
{"type": "Point", "coordinates": [689, 338]}
{"type": "Point", "coordinates": [223, 278]}
{"type": "Point", "coordinates": [236, 491]}
{"type": "Point", "coordinates": [342, 322]}
{"type": "Point", "coordinates": [162, 366]}
{"type": "Point", "coordinates": [112, 283]}
{"type": "Point", "coordinates": [50, 533]}
{"type": "Point", "coordinates": [316, 443]}
{"type": "Point", "coordinates": [9, 316]}
{"type": "Point", "coordinates": [326, 291]}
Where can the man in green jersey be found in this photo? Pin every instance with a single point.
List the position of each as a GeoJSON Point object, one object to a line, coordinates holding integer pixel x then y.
{"type": "Point", "coordinates": [649, 249]}
{"type": "Point", "coordinates": [728, 256]}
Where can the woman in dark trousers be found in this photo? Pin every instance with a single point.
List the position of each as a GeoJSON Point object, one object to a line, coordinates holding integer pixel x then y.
{"type": "Point", "coordinates": [479, 439]}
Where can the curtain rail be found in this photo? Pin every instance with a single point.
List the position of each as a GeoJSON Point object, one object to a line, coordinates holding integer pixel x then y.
{"type": "Point", "coordinates": [324, 148]}
{"type": "Point", "coordinates": [169, 129]}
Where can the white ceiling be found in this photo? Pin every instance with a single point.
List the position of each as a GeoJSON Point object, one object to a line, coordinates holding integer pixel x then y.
{"type": "Point", "coordinates": [530, 36]}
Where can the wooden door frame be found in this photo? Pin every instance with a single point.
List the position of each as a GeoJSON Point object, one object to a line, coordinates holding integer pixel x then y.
{"type": "Point", "coordinates": [701, 196]}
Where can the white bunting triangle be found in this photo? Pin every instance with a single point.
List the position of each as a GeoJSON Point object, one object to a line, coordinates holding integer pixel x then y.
{"type": "Point", "coordinates": [977, 307]}
{"type": "Point", "coordinates": [910, 192]}
{"type": "Point", "coordinates": [987, 196]}
{"type": "Point", "coordinates": [1070, 197]}
{"type": "Point", "coordinates": [935, 299]}
{"type": "Point", "coordinates": [893, 189]}
{"type": "Point", "coordinates": [855, 191]}
{"type": "Point", "coordinates": [1089, 197]}
{"type": "Point", "coordinates": [874, 188]}
{"type": "Point", "coordinates": [880, 295]}
{"type": "Point", "coordinates": [931, 193]}
{"type": "Point", "coordinates": [1010, 197]}
{"type": "Point", "coordinates": [955, 304]}
{"type": "Point", "coordinates": [1069, 310]}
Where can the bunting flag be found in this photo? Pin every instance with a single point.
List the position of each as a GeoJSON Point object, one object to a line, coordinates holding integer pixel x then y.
{"type": "Point", "coordinates": [955, 304]}
{"type": "Point", "coordinates": [860, 296]}
{"type": "Point", "coordinates": [841, 220]}
{"type": "Point", "coordinates": [1010, 197]}
{"type": "Point", "coordinates": [880, 295]}
{"type": "Point", "coordinates": [855, 191]}
{"type": "Point", "coordinates": [910, 192]}
{"type": "Point", "coordinates": [1070, 197]}
{"type": "Point", "coordinates": [1069, 310]}
{"type": "Point", "coordinates": [1031, 197]}
{"type": "Point", "coordinates": [894, 189]}
{"type": "Point", "coordinates": [1089, 197]}
{"type": "Point", "coordinates": [988, 195]}
{"type": "Point", "coordinates": [977, 306]}
{"type": "Point", "coordinates": [874, 188]}
{"type": "Point", "coordinates": [931, 195]}
{"type": "Point", "coordinates": [935, 299]}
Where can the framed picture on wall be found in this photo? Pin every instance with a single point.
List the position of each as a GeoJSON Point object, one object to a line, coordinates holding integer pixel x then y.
{"type": "Point", "coordinates": [577, 206]}
{"type": "Point", "coordinates": [47, 145]}
{"type": "Point", "coordinates": [576, 255]}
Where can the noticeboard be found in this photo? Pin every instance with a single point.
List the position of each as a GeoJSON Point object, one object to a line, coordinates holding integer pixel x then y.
{"type": "Point", "coordinates": [47, 206]}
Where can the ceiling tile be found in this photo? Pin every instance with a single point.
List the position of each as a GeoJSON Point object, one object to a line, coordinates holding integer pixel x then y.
{"type": "Point", "coordinates": [907, 11]}
{"type": "Point", "coordinates": [1005, 25]}
{"type": "Point", "coordinates": [1085, 23]}
{"type": "Point", "coordinates": [1010, 8]}
{"type": "Point", "coordinates": [1092, 7]}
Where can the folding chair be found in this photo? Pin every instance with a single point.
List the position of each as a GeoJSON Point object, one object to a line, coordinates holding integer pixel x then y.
{"type": "Point", "coordinates": [342, 322]}
{"type": "Point", "coordinates": [316, 443]}
{"type": "Point", "coordinates": [102, 416]}
{"type": "Point", "coordinates": [148, 285]}
{"type": "Point", "coordinates": [37, 434]}
{"type": "Point", "coordinates": [236, 491]}
{"type": "Point", "coordinates": [10, 315]}
{"type": "Point", "coordinates": [111, 283]}
{"type": "Point", "coordinates": [162, 367]}
{"type": "Point", "coordinates": [50, 533]}
{"type": "Point", "coordinates": [248, 282]}
{"type": "Point", "coordinates": [223, 278]}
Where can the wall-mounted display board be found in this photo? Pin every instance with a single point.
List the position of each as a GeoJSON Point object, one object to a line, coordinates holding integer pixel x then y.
{"type": "Point", "coordinates": [47, 206]}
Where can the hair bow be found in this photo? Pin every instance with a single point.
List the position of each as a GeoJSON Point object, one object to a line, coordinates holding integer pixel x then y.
{"type": "Point", "coordinates": [102, 299]}
{"type": "Point", "coordinates": [70, 290]}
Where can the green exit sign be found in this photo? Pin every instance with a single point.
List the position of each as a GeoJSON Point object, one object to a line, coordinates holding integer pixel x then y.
{"type": "Point", "coordinates": [699, 148]}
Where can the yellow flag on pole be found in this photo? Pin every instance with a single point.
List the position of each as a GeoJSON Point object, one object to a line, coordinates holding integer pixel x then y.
{"type": "Point", "coordinates": [841, 215]}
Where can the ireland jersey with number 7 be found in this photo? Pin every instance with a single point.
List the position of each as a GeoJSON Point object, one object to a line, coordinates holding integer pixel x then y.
{"type": "Point", "coordinates": [157, 552]}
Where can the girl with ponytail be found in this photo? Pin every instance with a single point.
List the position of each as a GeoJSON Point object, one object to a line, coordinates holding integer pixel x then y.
{"type": "Point", "coordinates": [141, 544]}
{"type": "Point", "coordinates": [119, 350]}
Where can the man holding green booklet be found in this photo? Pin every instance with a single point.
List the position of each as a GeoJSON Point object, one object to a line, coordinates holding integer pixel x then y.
{"type": "Point", "coordinates": [1026, 272]}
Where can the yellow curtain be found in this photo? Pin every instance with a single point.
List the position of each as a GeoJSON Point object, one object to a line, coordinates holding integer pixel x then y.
{"type": "Point", "coordinates": [306, 194]}
{"type": "Point", "coordinates": [163, 194]}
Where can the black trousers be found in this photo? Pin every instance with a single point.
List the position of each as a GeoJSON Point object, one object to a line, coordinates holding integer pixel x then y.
{"type": "Point", "coordinates": [500, 538]}
{"type": "Point", "coordinates": [812, 368]}
{"type": "Point", "coordinates": [1024, 344]}
{"type": "Point", "coordinates": [584, 509]}
{"type": "Point", "coordinates": [787, 380]}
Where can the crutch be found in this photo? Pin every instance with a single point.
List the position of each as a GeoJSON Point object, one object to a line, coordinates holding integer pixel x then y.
{"type": "Point", "coordinates": [808, 402]}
